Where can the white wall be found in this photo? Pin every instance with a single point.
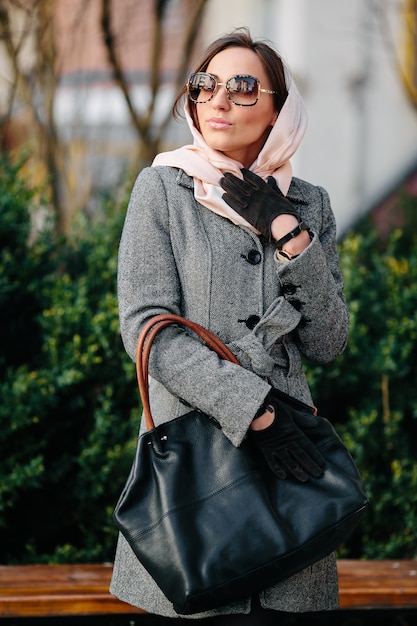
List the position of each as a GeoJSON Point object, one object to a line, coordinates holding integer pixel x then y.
{"type": "Point", "coordinates": [362, 134]}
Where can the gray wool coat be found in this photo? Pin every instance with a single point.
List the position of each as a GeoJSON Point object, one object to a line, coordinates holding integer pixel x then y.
{"type": "Point", "coordinates": [179, 257]}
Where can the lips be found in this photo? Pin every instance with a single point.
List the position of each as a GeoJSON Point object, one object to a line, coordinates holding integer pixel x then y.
{"type": "Point", "coordinates": [218, 123]}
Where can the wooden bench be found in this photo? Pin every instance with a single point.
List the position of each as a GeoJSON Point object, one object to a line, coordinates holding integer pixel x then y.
{"type": "Point", "coordinates": [377, 584]}
{"type": "Point", "coordinates": [70, 590]}
{"type": "Point", "coordinates": [46, 590]}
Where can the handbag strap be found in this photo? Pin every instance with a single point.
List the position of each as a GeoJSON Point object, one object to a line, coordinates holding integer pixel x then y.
{"type": "Point", "coordinates": [146, 338]}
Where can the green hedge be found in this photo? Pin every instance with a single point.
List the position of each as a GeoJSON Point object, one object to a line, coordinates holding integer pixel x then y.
{"type": "Point", "coordinates": [371, 390]}
{"type": "Point", "coordinates": [69, 406]}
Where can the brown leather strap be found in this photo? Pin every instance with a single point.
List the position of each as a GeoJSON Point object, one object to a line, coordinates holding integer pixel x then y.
{"type": "Point", "coordinates": [146, 337]}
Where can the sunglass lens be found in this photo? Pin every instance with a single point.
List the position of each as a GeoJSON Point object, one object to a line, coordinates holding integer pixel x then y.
{"type": "Point", "coordinates": [201, 87]}
{"type": "Point", "coordinates": [243, 90]}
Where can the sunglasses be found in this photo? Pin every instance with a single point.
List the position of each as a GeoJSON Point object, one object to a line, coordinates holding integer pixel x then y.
{"type": "Point", "coordinates": [241, 89]}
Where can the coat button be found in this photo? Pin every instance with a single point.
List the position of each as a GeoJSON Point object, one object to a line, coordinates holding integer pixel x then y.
{"type": "Point", "coordinates": [253, 257]}
{"type": "Point", "coordinates": [289, 289]}
{"type": "Point", "coordinates": [252, 321]}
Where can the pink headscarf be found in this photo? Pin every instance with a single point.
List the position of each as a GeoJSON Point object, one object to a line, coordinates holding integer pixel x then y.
{"type": "Point", "coordinates": [207, 166]}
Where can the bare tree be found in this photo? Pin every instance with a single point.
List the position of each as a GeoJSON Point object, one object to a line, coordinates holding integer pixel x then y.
{"type": "Point", "coordinates": [34, 53]}
{"type": "Point", "coordinates": [149, 133]}
{"type": "Point", "coordinates": [28, 35]}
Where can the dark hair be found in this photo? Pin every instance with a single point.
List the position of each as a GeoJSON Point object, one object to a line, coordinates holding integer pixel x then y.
{"type": "Point", "coordinates": [240, 38]}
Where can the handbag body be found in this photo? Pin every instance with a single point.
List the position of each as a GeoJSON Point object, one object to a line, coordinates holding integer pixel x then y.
{"type": "Point", "coordinates": [209, 521]}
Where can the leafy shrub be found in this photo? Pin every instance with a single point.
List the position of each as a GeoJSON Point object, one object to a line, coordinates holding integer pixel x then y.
{"type": "Point", "coordinates": [371, 390]}
{"type": "Point", "coordinates": [69, 407]}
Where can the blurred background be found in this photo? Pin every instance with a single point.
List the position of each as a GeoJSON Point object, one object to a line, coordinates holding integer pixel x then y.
{"type": "Point", "coordinates": [95, 81]}
{"type": "Point", "coordinates": [86, 90]}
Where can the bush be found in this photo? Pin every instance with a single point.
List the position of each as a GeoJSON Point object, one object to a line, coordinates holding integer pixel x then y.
{"type": "Point", "coordinates": [371, 390]}
{"type": "Point", "coordinates": [69, 406]}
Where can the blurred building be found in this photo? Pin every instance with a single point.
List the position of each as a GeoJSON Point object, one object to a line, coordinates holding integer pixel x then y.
{"type": "Point", "coordinates": [356, 67]}
{"type": "Point", "coordinates": [354, 62]}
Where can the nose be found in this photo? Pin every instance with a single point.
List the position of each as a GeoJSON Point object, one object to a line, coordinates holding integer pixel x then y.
{"type": "Point", "coordinates": [220, 99]}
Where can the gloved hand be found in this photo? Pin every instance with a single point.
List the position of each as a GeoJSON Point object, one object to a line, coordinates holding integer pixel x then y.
{"type": "Point", "coordinates": [286, 449]}
{"type": "Point", "coordinates": [257, 201]}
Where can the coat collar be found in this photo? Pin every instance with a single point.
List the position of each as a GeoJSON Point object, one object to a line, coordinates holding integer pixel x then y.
{"type": "Point", "coordinates": [295, 193]}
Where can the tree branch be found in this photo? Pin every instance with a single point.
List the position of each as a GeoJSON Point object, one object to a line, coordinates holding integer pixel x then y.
{"type": "Point", "coordinates": [108, 38]}
{"type": "Point", "coordinates": [192, 33]}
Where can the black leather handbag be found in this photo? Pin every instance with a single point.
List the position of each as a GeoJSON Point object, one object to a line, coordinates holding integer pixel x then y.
{"type": "Point", "coordinates": [209, 522]}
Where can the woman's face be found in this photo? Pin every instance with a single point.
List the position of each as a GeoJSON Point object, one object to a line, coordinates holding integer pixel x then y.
{"type": "Point", "coordinates": [237, 131]}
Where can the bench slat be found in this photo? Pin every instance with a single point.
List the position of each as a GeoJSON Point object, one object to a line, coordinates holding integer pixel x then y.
{"type": "Point", "coordinates": [52, 590]}
{"type": "Point", "coordinates": [377, 584]}
{"type": "Point", "coordinates": [57, 590]}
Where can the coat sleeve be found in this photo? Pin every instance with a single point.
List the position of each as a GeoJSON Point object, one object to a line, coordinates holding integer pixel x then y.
{"type": "Point", "coordinates": [313, 284]}
{"type": "Point", "coordinates": [311, 307]}
{"type": "Point", "coordinates": [148, 284]}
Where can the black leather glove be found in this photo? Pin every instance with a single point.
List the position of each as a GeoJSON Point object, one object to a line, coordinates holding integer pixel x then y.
{"type": "Point", "coordinates": [257, 201]}
{"type": "Point", "coordinates": [286, 449]}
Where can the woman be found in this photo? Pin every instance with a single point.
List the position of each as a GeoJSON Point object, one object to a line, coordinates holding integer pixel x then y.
{"type": "Point", "coordinates": [221, 233]}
